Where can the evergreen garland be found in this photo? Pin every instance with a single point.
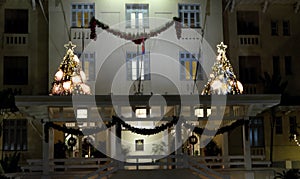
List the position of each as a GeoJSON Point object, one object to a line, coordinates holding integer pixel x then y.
{"type": "Point", "coordinates": [141, 131]}
{"type": "Point", "coordinates": [136, 38]}
{"type": "Point", "coordinates": [222, 130]}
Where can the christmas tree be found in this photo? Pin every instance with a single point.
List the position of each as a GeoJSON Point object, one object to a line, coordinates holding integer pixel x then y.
{"type": "Point", "coordinates": [70, 79]}
{"type": "Point", "coordinates": [222, 79]}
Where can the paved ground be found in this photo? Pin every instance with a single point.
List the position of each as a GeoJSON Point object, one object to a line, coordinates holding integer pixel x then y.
{"type": "Point", "coordinates": [154, 174]}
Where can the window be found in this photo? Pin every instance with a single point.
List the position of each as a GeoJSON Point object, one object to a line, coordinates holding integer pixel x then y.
{"type": "Point", "coordinates": [82, 14]}
{"type": "Point", "coordinates": [88, 65]}
{"type": "Point", "coordinates": [288, 65]}
{"type": "Point", "coordinates": [189, 64]}
{"type": "Point", "coordinates": [14, 134]}
{"type": "Point", "coordinates": [286, 28]}
{"type": "Point", "coordinates": [137, 15]}
{"type": "Point", "coordinates": [293, 124]}
{"type": "Point", "coordinates": [138, 66]}
{"type": "Point", "coordinates": [278, 125]}
{"type": "Point", "coordinates": [139, 145]}
{"type": "Point", "coordinates": [249, 69]}
{"type": "Point", "coordinates": [257, 132]}
{"type": "Point", "coordinates": [15, 70]}
{"type": "Point", "coordinates": [16, 21]}
{"type": "Point", "coordinates": [274, 28]}
{"type": "Point", "coordinates": [247, 23]}
{"type": "Point", "coordinates": [189, 15]}
{"type": "Point", "coordinates": [276, 65]}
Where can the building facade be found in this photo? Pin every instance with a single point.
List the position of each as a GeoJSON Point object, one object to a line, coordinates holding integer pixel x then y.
{"type": "Point", "coordinates": [143, 52]}
{"type": "Point", "coordinates": [262, 38]}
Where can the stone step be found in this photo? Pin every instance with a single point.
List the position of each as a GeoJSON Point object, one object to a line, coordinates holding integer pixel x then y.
{"type": "Point", "coordinates": [157, 174]}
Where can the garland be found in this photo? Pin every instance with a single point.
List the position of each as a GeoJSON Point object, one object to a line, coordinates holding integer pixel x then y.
{"type": "Point", "coordinates": [114, 121]}
{"type": "Point", "coordinates": [144, 131]}
{"type": "Point", "coordinates": [136, 38]}
{"type": "Point", "coordinates": [77, 132]}
{"type": "Point", "coordinates": [222, 130]}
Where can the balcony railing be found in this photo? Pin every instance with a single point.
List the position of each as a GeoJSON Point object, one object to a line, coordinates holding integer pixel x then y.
{"type": "Point", "coordinates": [249, 40]}
{"type": "Point", "coordinates": [80, 33]}
{"type": "Point", "coordinates": [15, 39]}
{"type": "Point", "coordinates": [253, 89]}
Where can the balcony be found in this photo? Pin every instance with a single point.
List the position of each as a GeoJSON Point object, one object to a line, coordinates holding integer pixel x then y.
{"type": "Point", "coordinates": [249, 40]}
{"type": "Point", "coordinates": [253, 88]}
{"type": "Point", "coordinates": [15, 39]}
{"type": "Point", "coordinates": [80, 33]}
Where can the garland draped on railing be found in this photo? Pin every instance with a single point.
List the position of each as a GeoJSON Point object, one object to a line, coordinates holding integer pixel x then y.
{"type": "Point", "coordinates": [136, 38]}
{"type": "Point", "coordinates": [144, 131]}
{"type": "Point", "coordinates": [222, 130]}
{"type": "Point", "coordinates": [114, 121]}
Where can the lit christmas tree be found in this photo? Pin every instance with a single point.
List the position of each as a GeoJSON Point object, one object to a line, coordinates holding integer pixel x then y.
{"type": "Point", "coordinates": [70, 79]}
{"type": "Point", "coordinates": [222, 79]}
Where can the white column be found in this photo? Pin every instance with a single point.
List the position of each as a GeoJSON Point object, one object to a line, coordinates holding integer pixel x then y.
{"type": "Point", "coordinates": [246, 146]}
{"type": "Point", "coordinates": [48, 151]}
{"type": "Point", "coordinates": [116, 146]}
{"type": "Point", "coordinates": [178, 138]}
{"type": "Point", "coordinates": [178, 141]}
{"type": "Point", "coordinates": [113, 142]}
{"type": "Point", "coordinates": [225, 151]}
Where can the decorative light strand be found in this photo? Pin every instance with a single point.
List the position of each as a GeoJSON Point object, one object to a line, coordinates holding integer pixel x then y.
{"type": "Point", "coordinates": [296, 140]}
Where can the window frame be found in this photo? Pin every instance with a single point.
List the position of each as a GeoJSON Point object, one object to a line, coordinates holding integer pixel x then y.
{"type": "Point", "coordinates": [276, 65]}
{"type": "Point", "coordinates": [190, 57]}
{"type": "Point", "coordinates": [19, 25]}
{"type": "Point", "coordinates": [91, 74]}
{"type": "Point", "coordinates": [196, 11]}
{"type": "Point", "coordinates": [286, 28]}
{"type": "Point", "coordinates": [18, 72]}
{"type": "Point", "coordinates": [278, 125]}
{"type": "Point", "coordinates": [256, 132]}
{"type": "Point", "coordinates": [130, 56]}
{"type": "Point", "coordinates": [76, 10]}
{"type": "Point", "coordinates": [10, 138]}
{"type": "Point", "coordinates": [288, 65]}
{"type": "Point", "coordinates": [274, 28]}
{"type": "Point", "coordinates": [136, 9]}
{"type": "Point", "coordinates": [293, 124]}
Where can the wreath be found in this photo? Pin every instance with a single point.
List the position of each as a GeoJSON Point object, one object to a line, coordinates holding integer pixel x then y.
{"type": "Point", "coordinates": [72, 141]}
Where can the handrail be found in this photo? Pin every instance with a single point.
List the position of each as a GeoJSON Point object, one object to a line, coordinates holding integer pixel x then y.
{"type": "Point", "coordinates": [203, 170]}
{"type": "Point", "coordinates": [104, 171]}
{"type": "Point", "coordinates": [154, 160]}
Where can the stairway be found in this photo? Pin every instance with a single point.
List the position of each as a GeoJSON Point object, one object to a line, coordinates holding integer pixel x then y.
{"type": "Point", "coordinates": [157, 174]}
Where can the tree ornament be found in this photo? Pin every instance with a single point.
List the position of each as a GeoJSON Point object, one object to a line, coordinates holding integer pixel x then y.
{"type": "Point", "coordinates": [72, 141]}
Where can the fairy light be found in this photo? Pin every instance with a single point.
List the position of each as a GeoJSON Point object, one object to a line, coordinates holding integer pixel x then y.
{"type": "Point", "coordinates": [296, 140]}
{"type": "Point", "coordinates": [222, 80]}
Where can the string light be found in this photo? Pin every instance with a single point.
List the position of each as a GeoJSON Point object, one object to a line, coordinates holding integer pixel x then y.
{"type": "Point", "coordinates": [223, 80]}
{"type": "Point", "coordinates": [296, 140]}
{"type": "Point", "coordinates": [70, 79]}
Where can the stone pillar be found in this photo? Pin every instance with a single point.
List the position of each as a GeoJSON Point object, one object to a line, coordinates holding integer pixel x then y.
{"type": "Point", "coordinates": [178, 138]}
{"type": "Point", "coordinates": [178, 143]}
{"type": "Point", "coordinates": [247, 150]}
{"type": "Point", "coordinates": [225, 152]}
{"type": "Point", "coordinates": [116, 143]}
{"type": "Point", "coordinates": [48, 150]}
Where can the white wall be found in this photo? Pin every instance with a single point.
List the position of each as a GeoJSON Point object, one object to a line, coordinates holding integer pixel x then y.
{"type": "Point", "coordinates": [164, 48]}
